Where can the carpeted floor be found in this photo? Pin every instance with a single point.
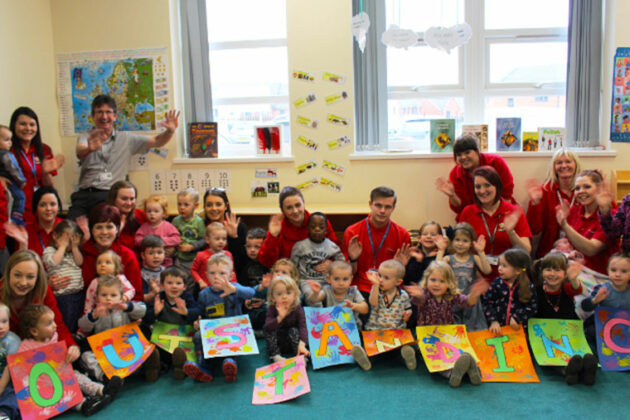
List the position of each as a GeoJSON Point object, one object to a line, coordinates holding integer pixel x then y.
{"type": "Point", "coordinates": [388, 391]}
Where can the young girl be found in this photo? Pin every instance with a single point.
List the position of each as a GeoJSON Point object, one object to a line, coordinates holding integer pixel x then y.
{"type": "Point", "coordinates": [216, 236]}
{"type": "Point", "coordinates": [155, 207]}
{"type": "Point", "coordinates": [37, 323]}
{"type": "Point", "coordinates": [108, 262]}
{"type": "Point", "coordinates": [285, 328]}
{"type": "Point", "coordinates": [436, 297]}
{"type": "Point", "coordinates": [511, 299]}
{"type": "Point", "coordinates": [63, 257]}
{"type": "Point", "coordinates": [465, 264]}
{"type": "Point", "coordinates": [429, 237]}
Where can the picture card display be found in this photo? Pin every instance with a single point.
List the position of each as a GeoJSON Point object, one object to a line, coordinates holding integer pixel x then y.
{"type": "Point", "coordinates": [555, 341]}
{"type": "Point", "coordinates": [331, 334]}
{"type": "Point", "coordinates": [232, 336]}
{"type": "Point", "coordinates": [281, 381]}
{"type": "Point", "coordinates": [613, 338]}
{"type": "Point", "coordinates": [168, 337]}
{"type": "Point", "coordinates": [381, 341]}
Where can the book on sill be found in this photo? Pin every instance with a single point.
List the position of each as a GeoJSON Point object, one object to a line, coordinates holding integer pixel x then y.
{"type": "Point", "coordinates": [508, 134]}
{"type": "Point", "coordinates": [530, 141]}
{"type": "Point", "coordinates": [551, 138]}
{"type": "Point", "coordinates": [202, 140]}
{"type": "Point", "coordinates": [442, 135]}
{"type": "Point", "coordinates": [480, 131]}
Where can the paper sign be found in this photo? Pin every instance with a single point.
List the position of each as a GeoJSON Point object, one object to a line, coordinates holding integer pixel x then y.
{"type": "Point", "coordinates": [281, 381]}
{"type": "Point", "coordinates": [613, 338]}
{"type": "Point", "coordinates": [233, 336]}
{"type": "Point", "coordinates": [171, 336]}
{"type": "Point", "coordinates": [339, 142]}
{"type": "Point", "coordinates": [333, 78]}
{"type": "Point", "coordinates": [307, 122]}
{"type": "Point", "coordinates": [45, 385]}
{"type": "Point", "coordinates": [303, 75]}
{"type": "Point", "coordinates": [337, 119]}
{"type": "Point", "coordinates": [308, 143]}
{"type": "Point", "coordinates": [399, 38]}
{"type": "Point", "coordinates": [300, 102]}
{"type": "Point", "coordinates": [441, 345]}
{"type": "Point", "coordinates": [360, 26]}
{"type": "Point", "coordinates": [266, 172]}
{"type": "Point", "coordinates": [307, 166]}
{"type": "Point", "coordinates": [307, 184]}
{"type": "Point", "coordinates": [504, 358]}
{"type": "Point", "coordinates": [121, 350]}
{"type": "Point", "coordinates": [335, 168]}
{"type": "Point", "coordinates": [336, 97]}
{"type": "Point", "coordinates": [448, 38]}
{"type": "Point", "coordinates": [554, 341]}
{"type": "Point", "coordinates": [331, 334]}
{"type": "Point", "coordinates": [325, 182]}
{"type": "Point", "coordinates": [381, 341]}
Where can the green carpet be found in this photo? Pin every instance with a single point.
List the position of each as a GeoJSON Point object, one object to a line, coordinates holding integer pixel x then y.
{"type": "Point", "coordinates": [387, 391]}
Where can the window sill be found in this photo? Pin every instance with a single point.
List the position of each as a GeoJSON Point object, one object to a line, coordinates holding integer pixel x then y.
{"type": "Point", "coordinates": [244, 159]}
{"type": "Point", "coordinates": [428, 155]}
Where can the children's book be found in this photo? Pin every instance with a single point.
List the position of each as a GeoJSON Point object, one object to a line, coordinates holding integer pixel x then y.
{"type": "Point", "coordinates": [202, 140]}
{"type": "Point", "coordinates": [442, 135]}
{"type": "Point", "coordinates": [508, 134]}
{"type": "Point", "coordinates": [480, 131]}
{"type": "Point", "coordinates": [530, 141]}
{"type": "Point", "coordinates": [551, 138]}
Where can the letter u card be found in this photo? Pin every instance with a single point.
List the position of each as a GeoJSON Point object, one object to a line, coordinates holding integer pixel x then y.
{"type": "Point", "coordinates": [231, 336]}
{"type": "Point", "coordinates": [331, 334]}
{"type": "Point", "coordinates": [121, 350]}
{"type": "Point", "coordinates": [45, 385]}
{"type": "Point", "coordinates": [555, 341]}
{"type": "Point", "coordinates": [613, 338]}
{"type": "Point", "coordinates": [381, 341]}
{"type": "Point", "coordinates": [441, 345]}
{"type": "Point", "coordinates": [281, 381]}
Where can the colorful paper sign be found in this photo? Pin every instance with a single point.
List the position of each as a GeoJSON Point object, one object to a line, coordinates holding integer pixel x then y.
{"type": "Point", "coordinates": [300, 102]}
{"type": "Point", "coordinates": [307, 122]}
{"type": "Point", "coordinates": [333, 78]}
{"type": "Point", "coordinates": [308, 143]}
{"type": "Point", "coordinates": [336, 97]}
{"type": "Point", "coordinates": [303, 75]}
{"type": "Point", "coordinates": [45, 385]}
{"type": "Point", "coordinates": [381, 341]}
{"type": "Point", "coordinates": [337, 119]}
{"type": "Point", "coordinates": [121, 350]}
{"type": "Point", "coordinates": [554, 341]}
{"type": "Point", "coordinates": [233, 336]}
{"type": "Point", "coordinates": [441, 345]}
{"type": "Point", "coordinates": [339, 142]}
{"type": "Point", "coordinates": [306, 166]}
{"type": "Point", "coordinates": [171, 336]}
{"type": "Point", "coordinates": [613, 338]}
{"type": "Point", "coordinates": [307, 184]}
{"type": "Point", "coordinates": [281, 381]}
{"type": "Point", "coordinates": [331, 334]}
{"type": "Point", "coordinates": [335, 168]}
{"type": "Point", "coordinates": [503, 358]}
{"type": "Point", "coordinates": [335, 186]}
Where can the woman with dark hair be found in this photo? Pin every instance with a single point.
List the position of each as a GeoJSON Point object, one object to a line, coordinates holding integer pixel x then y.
{"type": "Point", "coordinates": [35, 158]}
{"type": "Point", "coordinates": [289, 227]}
{"type": "Point", "coordinates": [46, 207]}
{"type": "Point", "coordinates": [123, 195]}
{"type": "Point", "coordinates": [459, 186]}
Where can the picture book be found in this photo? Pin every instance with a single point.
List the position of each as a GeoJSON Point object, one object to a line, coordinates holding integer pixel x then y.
{"type": "Point", "coordinates": [442, 135]}
{"type": "Point", "coordinates": [530, 141]}
{"type": "Point", "coordinates": [508, 134]}
{"type": "Point", "coordinates": [551, 138]}
{"type": "Point", "coordinates": [480, 131]}
{"type": "Point", "coordinates": [202, 140]}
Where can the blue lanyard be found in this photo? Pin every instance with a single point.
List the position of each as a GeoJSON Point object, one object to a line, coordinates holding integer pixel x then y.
{"type": "Point", "coordinates": [41, 241]}
{"type": "Point", "coordinates": [32, 166]}
{"type": "Point", "coordinates": [375, 252]}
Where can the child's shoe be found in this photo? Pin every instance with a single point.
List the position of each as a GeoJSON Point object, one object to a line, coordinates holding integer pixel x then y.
{"type": "Point", "coordinates": [462, 364]}
{"type": "Point", "coordinates": [152, 367]}
{"type": "Point", "coordinates": [409, 356]}
{"type": "Point", "coordinates": [197, 372]}
{"type": "Point", "coordinates": [361, 357]}
{"type": "Point", "coordinates": [574, 367]}
{"type": "Point", "coordinates": [277, 358]}
{"type": "Point", "coordinates": [112, 387]}
{"type": "Point", "coordinates": [94, 404]}
{"type": "Point", "coordinates": [589, 369]}
{"type": "Point", "coordinates": [179, 358]}
{"type": "Point", "coordinates": [229, 370]}
{"type": "Point", "coordinates": [474, 373]}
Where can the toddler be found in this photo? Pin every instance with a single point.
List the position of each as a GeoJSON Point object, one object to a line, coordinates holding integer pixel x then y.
{"type": "Point", "coordinates": [216, 236]}
{"type": "Point", "coordinates": [615, 293]}
{"type": "Point", "coordinates": [152, 254]}
{"type": "Point", "coordinates": [429, 236]}
{"type": "Point", "coordinates": [253, 274]}
{"type": "Point", "coordinates": [9, 344]}
{"type": "Point", "coordinates": [108, 263]}
{"type": "Point", "coordinates": [156, 208]}
{"type": "Point", "coordinates": [192, 230]}
{"type": "Point", "coordinates": [10, 169]}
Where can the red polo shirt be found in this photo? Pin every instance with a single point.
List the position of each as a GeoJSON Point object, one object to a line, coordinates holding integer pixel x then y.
{"type": "Point", "coordinates": [38, 238]}
{"type": "Point", "coordinates": [33, 172]}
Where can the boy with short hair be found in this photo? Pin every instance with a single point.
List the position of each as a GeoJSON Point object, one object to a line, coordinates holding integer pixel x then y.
{"type": "Point", "coordinates": [192, 231]}
{"type": "Point", "coordinates": [152, 254]}
{"type": "Point", "coordinates": [216, 236]}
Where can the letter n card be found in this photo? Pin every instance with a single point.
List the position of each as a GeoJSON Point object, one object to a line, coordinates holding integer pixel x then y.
{"type": "Point", "coordinates": [331, 334]}
{"type": "Point", "coordinates": [381, 341]}
{"type": "Point", "coordinates": [281, 381]}
{"type": "Point", "coordinates": [555, 341]}
{"type": "Point", "coordinates": [613, 338]}
{"type": "Point", "coordinates": [231, 336]}
{"type": "Point", "coordinates": [171, 336]}
{"type": "Point", "coordinates": [441, 345]}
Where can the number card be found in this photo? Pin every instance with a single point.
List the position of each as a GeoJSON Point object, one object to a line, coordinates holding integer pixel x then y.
{"type": "Point", "coordinates": [158, 182]}
{"type": "Point", "coordinates": [171, 336]}
{"type": "Point", "coordinates": [224, 179]}
{"type": "Point", "coordinates": [554, 341]}
{"type": "Point", "coordinates": [189, 179]}
{"type": "Point", "coordinates": [173, 181]}
{"type": "Point", "coordinates": [441, 345]}
{"type": "Point", "coordinates": [206, 179]}
{"type": "Point", "coordinates": [231, 336]}
{"type": "Point", "coordinates": [121, 350]}
{"type": "Point", "coordinates": [281, 381]}
{"type": "Point", "coordinates": [613, 338]}
{"type": "Point", "coordinates": [44, 383]}
{"type": "Point", "coordinates": [504, 358]}
{"type": "Point", "coordinates": [331, 334]}
{"type": "Point", "coordinates": [381, 341]}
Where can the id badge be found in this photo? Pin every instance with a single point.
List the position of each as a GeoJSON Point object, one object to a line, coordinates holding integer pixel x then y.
{"type": "Point", "coordinates": [106, 176]}
{"type": "Point", "coordinates": [493, 259]}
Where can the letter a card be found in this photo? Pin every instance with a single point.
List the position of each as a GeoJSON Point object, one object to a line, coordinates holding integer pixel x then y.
{"type": "Point", "coordinates": [613, 338]}
{"type": "Point", "coordinates": [331, 334]}
{"type": "Point", "coordinates": [503, 358]}
{"type": "Point", "coordinates": [44, 383]}
{"type": "Point", "coordinates": [231, 336]}
{"type": "Point", "coordinates": [441, 345]}
{"type": "Point", "coordinates": [171, 336]}
{"type": "Point", "coordinates": [281, 381]}
{"type": "Point", "coordinates": [121, 350]}
{"type": "Point", "coordinates": [381, 341]}
{"type": "Point", "coordinates": [555, 341]}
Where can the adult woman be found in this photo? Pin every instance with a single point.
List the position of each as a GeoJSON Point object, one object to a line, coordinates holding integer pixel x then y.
{"type": "Point", "coordinates": [558, 187]}
{"type": "Point", "coordinates": [287, 228]}
{"type": "Point", "coordinates": [104, 222]}
{"type": "Point", "coordinates": [123, 196]}
{"type": "Point", "coordinates": [459, 186]}
{"type": "Point", "coordinates": [503, 224]}
{"type": "Point", "coordinates": [581, 223]}
{"type": "Point", "coordinates": [35, 157]}
{"type": "Point", "coordinates": [46, 207]}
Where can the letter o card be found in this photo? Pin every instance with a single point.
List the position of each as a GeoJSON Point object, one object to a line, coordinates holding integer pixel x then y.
{"type": "Point", "coordinates": [613, 338]}
{"type": "Point", "coordinates": [231, 336]}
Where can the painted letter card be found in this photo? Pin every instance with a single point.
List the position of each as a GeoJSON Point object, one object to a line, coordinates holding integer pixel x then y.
{"type": "Point", "coordinates": [281, 381]}
{"type": "Point", "coordinates": [331, 334]}
{"type": "Point", "coordinates": [554, 341]}
{"type": "Point", "coordinates": [170, 336]}
{"type": "Point", "coordinates": [441, 345]}
{"type": "Point", "coordinates": [231, 336]}
{"type": "Point", "coordinates": [613, 338]}
{"type": "Point", "coordinates": [381, 341]}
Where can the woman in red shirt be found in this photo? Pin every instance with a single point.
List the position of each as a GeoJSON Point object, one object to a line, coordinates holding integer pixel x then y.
{"type": "Point", "coordinates": [46, 207]}
{"type": "Point", "coordinates": [123, 195]}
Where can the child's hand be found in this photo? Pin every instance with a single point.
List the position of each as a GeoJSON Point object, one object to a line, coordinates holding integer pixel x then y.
{"type": "Point", "coordinates": [302, 350]}
{"type": "Point", "coordinates": [323, 266]}
{"type": "Point", "coordinates": [416, 253]}
{"type": "Point", "coordinates": [315, 286]}
{"type": "Point", "coordinates": [118, 306]}
{"type": "Point", "coordinates": [100, 311]}
{"type": "Point", "coordinates": [373, 277]}
{"type": "Point", "coordinates": [227, 287]}
{"type": "Point", "coordinates": [180, 307]}
{"type": "Point", "coordinates": [158, 305]}
{"type": "Point", "coordinates": [406, 315]}
{"type": "Point", "coordinates": [355, 248]}
{"type": "Point", "coordinates": [169, 251]}
{"type": "Point", "coordinates": [445, 186]}
{"type": "Point", "coordinates": [573, 270]}
{"type": "Point", "coordinates": [154, 284]}
{"type": "Point", "coordinates": [265, 282]}
{"type": "Point", "coordinates": [186, 247]}
{"type": "Point", "coordinates": [515, 325]}
{"type": "Point", "coordinates": [231, 224]}
{"type": "Point", "coordinates": [283, 311]}
{"type": "Point", "coordinates": [478, 288]}
{"type": "Point", "coordinates": [72, 354]}
{"type": "Point", "coordinates": [602, 294]}
{"type": "Point", "coordinates": [196, 323]}
{"type": "Point", "coordinates": [275, 224]}
{"type": "Point", "coordinates": [480, 244]}
{"type": "Point", "coordinates": [63, 240]}
{"type": "Point", "coordinates": [534, 190]}
{"type": "Point", "coordinates": [414, 290]}
{"type": "Point", "coordinates": [125, 298]}
{"type": "Point", "coordinates": [495, 328]}
{"type": "Point", "coordinates": [402, 254]}
{"type": "Point", "coordinates": [441, 242]}
{"type": "Point", "coordinates": [57, 282]}
{"type": "Point", "coordinates": [202, 285]}
{"type": "Point", "coordinates": [75, 240]}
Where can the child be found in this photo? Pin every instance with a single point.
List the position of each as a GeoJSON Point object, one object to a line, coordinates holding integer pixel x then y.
{"type": "Point", "coordinates": [312, 256]}
{"type": "Point", "coordinates": [615, 224]}
{"type": "Point", "coordinates": [465, 263]}
{"type": "Point", "coordinates": [430, 235]}
{"type": "Point", "coordinates": [62, 257]}
{"type": "Point", "coordinates": [616, 293]}
{"type": "Point", "coordinates": [436, 297]}
{"type": "Point", "coordinates": [285, 328]}
{"type": "Point", "coordinates": [37, 323]}
{"type": "Point", "coordinates": [110, 312]}
{"type": "Point", "coordinates": [9, 344]}
{"type": "Point", "coordinates": [511, 299]}
{"type": "Point", "coordinates": [192, 230]}
{"type": "Point", "coordinates": [250, 272]}
{"type": "Point", "coordinates": [222, 298]}
{"type": "Point", "coordinates": [108, 263]}
{"type": "Point", "coordinates": [339, 292]}
{"type": "Point", "coordinates": [156, 208]}
{"type": "Point", "coordinates": [10, 169]}
{"type": "Point", "coordinates": [173, 305]}
{"type": "Point", "coordinates": [152, 254]}
{"type": "Point", "coordinates": [390, 309]}
{"type": "Point", "coordinates": [216, 236]}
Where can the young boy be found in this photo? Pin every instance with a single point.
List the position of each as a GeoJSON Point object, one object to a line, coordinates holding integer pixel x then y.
{"type": "Point", "coordinates": [390, 309]}
{"type": "Point", "coordinates": [10, 169]}
{"type": "Point", "coordinates": [250, 273]}
{"type": "Point", "coordinates": [216, 236]}
{"type": "Point", "coordinates": [312, 255]}
{"type": "Point", "coordinates": [192, 231]}
{"type": "Point", "coordinates": [152, 254]}
{"type": "Point", "coordinates": [339, 292]}
{"type": "Point", "coordinates": [221, 299]}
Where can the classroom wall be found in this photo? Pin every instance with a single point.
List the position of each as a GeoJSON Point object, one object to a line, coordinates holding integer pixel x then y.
{"type": "Point", "coordinates": [319, 39]}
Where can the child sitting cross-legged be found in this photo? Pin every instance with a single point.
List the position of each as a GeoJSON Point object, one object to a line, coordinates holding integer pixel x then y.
{"type": "Point", "coordinates": [37, 324]}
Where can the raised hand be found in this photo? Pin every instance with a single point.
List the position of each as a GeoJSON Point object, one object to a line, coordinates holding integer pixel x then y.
{"type": "Point", "coordinates": [350, 304]}
{"type": "Point", "coordinates": [416, 253]}
{"type": "Point", "coordinates": [158, 305]}
{"type": "Point", "coordinates": [180, 306]}
{"type": "Point", "coordinates": [118, 306]}
{"type": "Point", "coordinates": [602, 294]}
{"type": "Point", "coordinates": [63, 240]}
{"type": "Point", "coordinates": [52, 164]}
{"type": "Point", "coordinates": [573, 270]}
{"type": "Point", "coordinates": [478, 288]}
{"type": "Point", "coordinates": [96, 139]}
{"type": "Point", "coordinates": [82, 222]}
{"type": "Point", "coordinates": [100, 311]}
{"type": "Point", "coordinates": [534, 191]}
{"type": "Point", "coordinates": [171, 121]}
{"type": "Point", "coordinates": [323, 266]}
{"type": "Point", "coordinates": [196, 323]}
{"type": "Point", "coordinates": [75, 240]}
{"type": "Point", "coordinates": [604, 198]}
{"type": "Point", "coordinates": [495, 328]}
{"type": "Point", "coordinates": [480, 244]}
{"type": "Point", "coordinates": [16, 232]}
{"type": "Point", "coordinates": [315, 286]}
{"type": "Point", "coordinates": [414, 290]}
{"type": "Point", "coordinates": [402, 254]}
{"type": "Point", "coordinates": [231, 224]}
{"type": "Point", "coordinates": [275, 224]}
{"type": "Point", "coordinates": [154, 284]}
{"type": "Point", "coordinates": [186, 247]}
{"type": "Point", "coordinates": [227, 287]}
{"type": "Point", "coordinates": [72, 354]}
{"type": "Point", "coordinates": [562, 212]}
{"type": "Point", "coordinates": [441, 242]}
{"type": "Point", "coordinates": [510, 221]}
{"type": "Point", "coordinates": [373, 277]}
{"type": "Point", "coordinates": [445, 186]}
{"type": "Point", "coordinates": [407, 315]}
{"type": "Point", "coordinates": [355, 248]}
{"type": "Point", "coordinates": [283, 311]}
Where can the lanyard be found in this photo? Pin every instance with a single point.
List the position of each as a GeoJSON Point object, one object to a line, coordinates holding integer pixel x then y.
{"type": "Point", "coordinates": [33, 166]}
{"type": "Point", "coordinates": [494, 234]}
{"type": "Point", "coordinates": [41, 241]}
{"type": "Point", "coordinates": [375, 252]}
{"type": "Point", "coordinates": [560, 199]}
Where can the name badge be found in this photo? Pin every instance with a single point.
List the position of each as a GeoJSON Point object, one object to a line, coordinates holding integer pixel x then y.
{"type": "Point", "coordinates": [106, 176]}
{"type": "Point", "coordinates": [493, 259]}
